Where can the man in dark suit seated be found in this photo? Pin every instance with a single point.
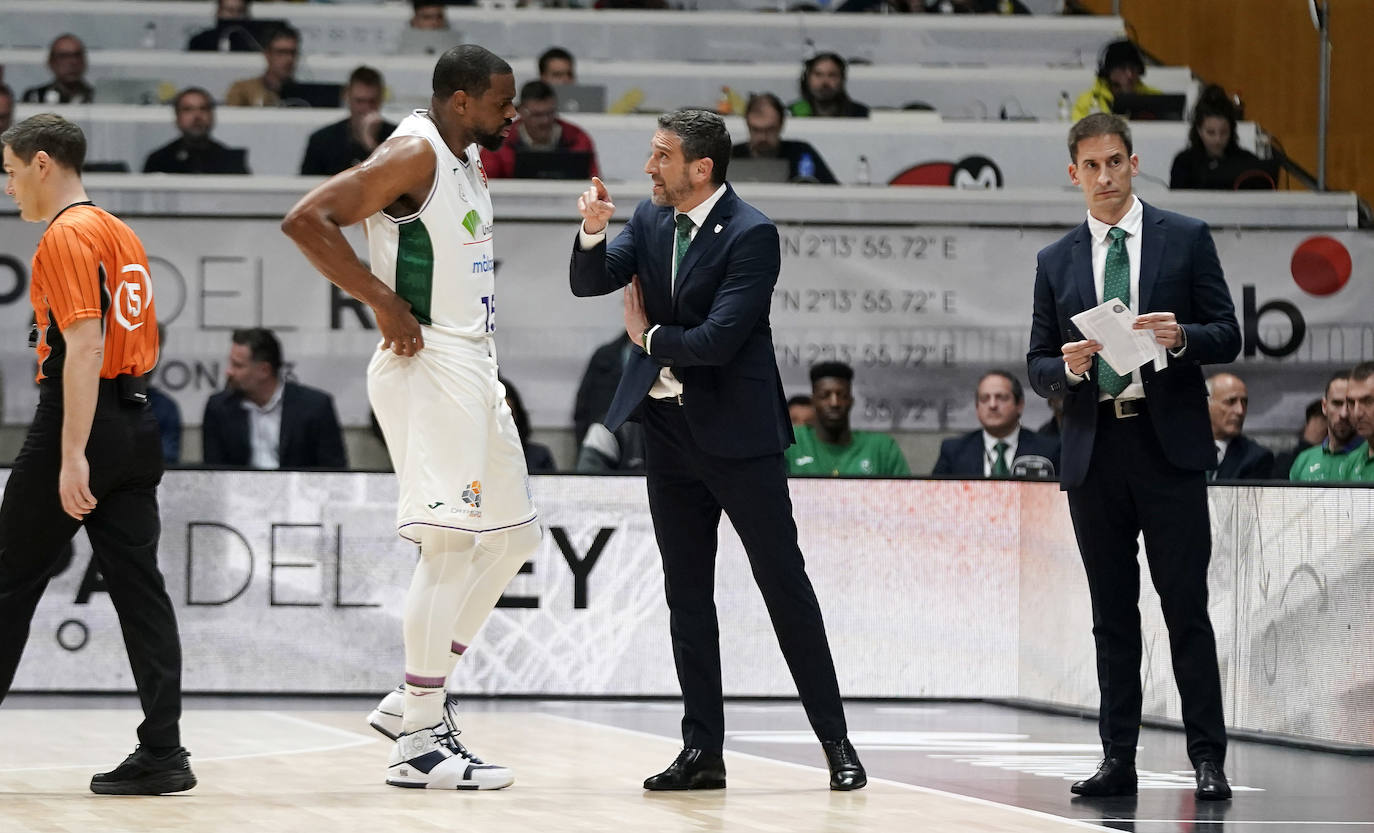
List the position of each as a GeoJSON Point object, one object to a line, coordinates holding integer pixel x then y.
{"type": "Point", "coordinates": [765, 117]}
{"type": "Point", "coordinates": [263, 422]}
{"type": "Point", "coordinates": [1238, 456]}
{"type": "Point", "coordinates": [224, 36]}
{"type": "Point", "coordinates": [995, 450]}
{"type": "Point", "coordinates": [194, 152]}
{"type": "Point", "coordinates": [343, 144]}
{"type": "Point", "coordinates": [698, 266]}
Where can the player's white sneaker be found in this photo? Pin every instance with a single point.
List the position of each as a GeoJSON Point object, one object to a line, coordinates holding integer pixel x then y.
{"type": "Point", "coordinates": [386, 718]}
{"type": "Point", "coordinates": [434, 759]}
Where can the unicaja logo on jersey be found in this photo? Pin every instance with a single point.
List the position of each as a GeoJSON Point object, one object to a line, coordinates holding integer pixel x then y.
{"type": "Point", "coordinates": [472, 222]}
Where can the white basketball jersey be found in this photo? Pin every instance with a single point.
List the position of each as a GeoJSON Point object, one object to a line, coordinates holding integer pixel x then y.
{"type": "Point", "coordinates": [440, 258]}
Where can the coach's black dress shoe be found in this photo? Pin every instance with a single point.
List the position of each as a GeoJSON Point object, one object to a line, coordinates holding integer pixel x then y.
{"type": "Point", "coordinates": [694, 769]}
{"type": "Point", "coordinates": [1211, 782]}
{"type": "Point", "coordinates": [846, 773]}
{"type": "Point", "coordinates": [1115, 776]}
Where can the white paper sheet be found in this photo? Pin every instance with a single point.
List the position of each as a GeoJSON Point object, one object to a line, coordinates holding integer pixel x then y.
{"type": "Point", "coordinates": [1125, 349]}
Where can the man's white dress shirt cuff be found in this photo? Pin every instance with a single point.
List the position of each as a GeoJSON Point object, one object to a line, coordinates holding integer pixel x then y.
{"type": "Point", "coordinates": [649, 336]}
{"type": "Point", "coordinates": [587, 240]}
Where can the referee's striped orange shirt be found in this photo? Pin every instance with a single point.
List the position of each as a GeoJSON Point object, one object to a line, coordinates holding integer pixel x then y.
{"type": "Point", "coordinates": [89, 264]}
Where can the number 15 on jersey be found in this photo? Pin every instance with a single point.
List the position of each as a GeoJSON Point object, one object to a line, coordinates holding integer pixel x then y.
{"type": "Point", "coordinates": [489, 304]}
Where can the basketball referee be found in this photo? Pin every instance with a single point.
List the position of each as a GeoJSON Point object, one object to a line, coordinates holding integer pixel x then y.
{"type": "Point", "coordinates": [93, 455]}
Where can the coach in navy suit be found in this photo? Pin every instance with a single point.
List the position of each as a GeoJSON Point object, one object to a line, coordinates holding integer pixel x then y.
{"type": "Point", "coordinates": [993, 450]}
{"type": "Point", "coordinates": [1136, 447]}
{"type": "Point", "coordinates": [698, 265]}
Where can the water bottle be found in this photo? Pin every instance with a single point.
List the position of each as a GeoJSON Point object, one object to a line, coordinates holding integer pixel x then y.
{"type": "Point", "coordinates": [806, 167]}
{"type": "Point", "coordinates": [864, 176]}
{"type": "Point", "coordinates": [150, 35]}
{"type": "Point", "coordinates": [1065, 108]}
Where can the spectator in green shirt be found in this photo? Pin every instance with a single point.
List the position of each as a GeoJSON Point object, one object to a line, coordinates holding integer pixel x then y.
{"type": "Point", "coordinates": [831, 447]}
{"type": "Point", "coordinates": [1359, 393]}
{"type": "Point", "coordinates": [1323, 462]}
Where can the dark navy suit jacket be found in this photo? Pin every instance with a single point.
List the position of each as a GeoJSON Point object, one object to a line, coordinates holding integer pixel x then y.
{"type": "Point", "coordinates": [1179, 273]}
{"type": "Point", "coordinates": [964, 455]}
{"type": "Point", "coordinates": [310, 433]}
{"type": "Point", "coordinates": [1246, 460]}
{"type": "Point", "coordinates": [713, 323]}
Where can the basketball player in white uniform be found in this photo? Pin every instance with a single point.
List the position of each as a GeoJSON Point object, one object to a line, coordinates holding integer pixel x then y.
{"type": "Point", "coordinates": [464, 495]}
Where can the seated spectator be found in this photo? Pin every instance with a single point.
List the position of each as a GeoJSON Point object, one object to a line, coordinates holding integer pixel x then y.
{"type": "Point", "coordinates": [800, 410]}
{"type": "Point", "coordinates": [67, 62]}
{"type": "Point", "coordinates": [343, 144]}
{"type": "Point", "coordinates": [603, 451]}
{"type": "Point", "coordinates": [599, 381]}
{"type": "Point", "coordinates": [1238, 456]}
{"type": "Point", "coordinates": [1119, 72]}
{"type": "Point", "coordinates": [261, 421]}
{"type": "Point", "coordinates": [895, 6]}
{"type": "Point", "coordinates": [823, 90]}
{"type": "Point", "coordinates": [1313, 431]}
{"type": "Point", "coordinates": [538, 128]}
{"type": "Point", "coordinates": [764, 115]}
{"type": "Point", "coordinates": [428, 15]}
{"type": "Point", "coordinates": [1323, 461]}
{"type": "Point", "coordinates": [281, 52]}
{"type": "Point", "coordinates": [165, 410]}
{"type": "Point", "coordinates": [6, 107]}
{"type": "Point", "coordinates": [1359, 393]}
{"type": "Point", "coordinates": [1054, 425]}
{"type": "Point", "coordinates": [194, 152]}
{"type": "Point", "coordinates": [538, 457]}
{"type": "Point", "coordinates": [994, 450]}
{"type": "Point", "coordinates": [556, 66]}
{"type": "Point", "coordinates": [224, 36]}
{"type": "Point", "coordinates": [1213, 160]}
{"type": "Point", "coordinates": [830, 447]}
{"type": "Point", "coordinates": [976, 7]}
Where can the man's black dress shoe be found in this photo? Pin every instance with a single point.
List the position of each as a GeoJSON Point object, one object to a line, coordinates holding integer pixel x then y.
{"type": "Point", "coordinates": [1115, 776]}
{"type": "Point", "coordinates": [846, 773]}
{"type": "Point", "coordinates": [694, 769]}
{"type": "Point", "coordinates": [1211, 782]}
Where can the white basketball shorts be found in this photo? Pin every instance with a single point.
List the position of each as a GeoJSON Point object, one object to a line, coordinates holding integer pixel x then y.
{"type": "Point", "coordinates": [451, 437]}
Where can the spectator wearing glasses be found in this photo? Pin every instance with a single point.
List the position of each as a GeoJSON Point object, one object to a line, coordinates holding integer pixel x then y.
{"type": "Point", "coordinates": [67, 61]}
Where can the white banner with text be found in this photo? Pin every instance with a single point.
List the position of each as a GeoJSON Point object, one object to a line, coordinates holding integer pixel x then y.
{"type": "Point", "coordinates": [920, 311]}
{"type": "Point", "coordinates": [294, 582]}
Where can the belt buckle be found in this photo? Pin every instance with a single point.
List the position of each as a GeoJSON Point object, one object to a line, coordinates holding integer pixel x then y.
{"type": "Point", "coordinates": [1119, 406]}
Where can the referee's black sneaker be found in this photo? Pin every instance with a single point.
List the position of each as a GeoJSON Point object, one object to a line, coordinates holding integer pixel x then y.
{"type": "Point", "coordinates": [147, 773]}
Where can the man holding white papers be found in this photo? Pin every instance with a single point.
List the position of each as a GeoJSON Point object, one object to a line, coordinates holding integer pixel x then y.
{"type": "Point", "coordinates": [1137, 440]}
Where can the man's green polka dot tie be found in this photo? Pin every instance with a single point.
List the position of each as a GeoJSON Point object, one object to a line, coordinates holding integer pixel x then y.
{"type": "Point", "coordinates": [684, 239]}
{"type": "Point", "coordinates": [1116, 283]}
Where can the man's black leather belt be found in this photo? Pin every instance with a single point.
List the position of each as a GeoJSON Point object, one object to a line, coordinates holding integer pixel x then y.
{"type": "Point", "coordinates": [1123, 408]}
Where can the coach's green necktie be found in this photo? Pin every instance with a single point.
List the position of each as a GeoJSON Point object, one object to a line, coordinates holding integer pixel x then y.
{"type": "Point", "coordinates": [999, 460]}
{"type": "Point", "coordinates": [684, 239]}
{"type": "Point", "coordinates": [1116, 283]}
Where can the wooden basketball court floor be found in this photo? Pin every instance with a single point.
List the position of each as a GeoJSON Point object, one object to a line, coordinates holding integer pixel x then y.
{"type": "Point", "coordinates": [311, 764]}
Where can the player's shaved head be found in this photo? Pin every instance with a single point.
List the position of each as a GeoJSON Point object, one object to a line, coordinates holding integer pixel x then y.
{"type": "Point", "coordinates": [469, 68]}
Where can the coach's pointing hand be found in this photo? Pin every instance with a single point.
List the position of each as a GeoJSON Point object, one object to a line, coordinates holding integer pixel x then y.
{"type": "Point", "coordinates": [596, 207]}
